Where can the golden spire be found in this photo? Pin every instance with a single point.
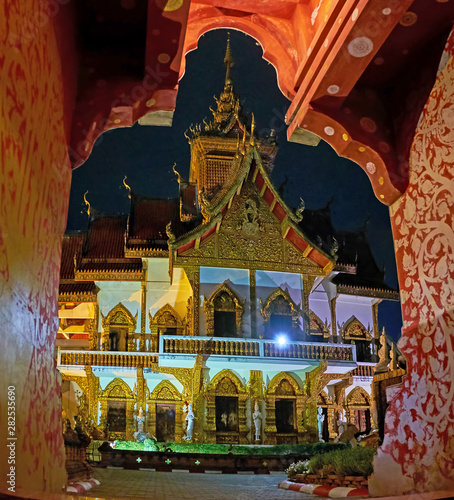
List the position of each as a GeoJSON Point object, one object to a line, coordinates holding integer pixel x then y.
{"type": "Point", "coordinates": [228, 60]}
{"type": "Point", "coordinates": [87, 203]}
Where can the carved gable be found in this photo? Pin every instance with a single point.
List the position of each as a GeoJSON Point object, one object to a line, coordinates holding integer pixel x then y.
{"type": "Point", "coordinates": [249, 236]}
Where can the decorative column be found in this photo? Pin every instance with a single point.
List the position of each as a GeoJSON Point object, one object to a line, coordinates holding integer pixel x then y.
{"type": "Point", "coordinates": [140, 389]}
{"type": "Point", "coordinates": [270, 420]}
{"type": "Point", "coordinates": [332, 307]}
{"type": "Point", "coordinates": [194, 279]}
{"type": "Point", "coordinates": [376, 329]}
{"type": "Point", "coordinates": [92, 387]}
{"type": "Point", "coordinates": [253, 303]}
{"type": "Point", "coordinates": [416, 455]}
{"type": "Point", "coordinates": [210, 426]}
{"type": "Point", "coordinates": [143, 313]}
{"type": "Point", "coordinates": [242, 419]}
{"type": "Point", "coordinates": [308, 283]}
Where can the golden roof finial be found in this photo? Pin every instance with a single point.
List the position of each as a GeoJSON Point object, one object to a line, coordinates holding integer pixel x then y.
{"type": "Point", "coordinates": [228, 60]}
{"type": "Point", "coordinates": [252, 130]}
{"type": "Point", "coordinates": [176, 173]}
{"type": "Point", "coordinates": [127, 187]}
{"type": "Point", "coordinates": [87, 203]}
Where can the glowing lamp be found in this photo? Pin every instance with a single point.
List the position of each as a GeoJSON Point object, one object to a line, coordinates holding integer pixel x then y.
{"type": "Point", "coordinates": [282, 340]}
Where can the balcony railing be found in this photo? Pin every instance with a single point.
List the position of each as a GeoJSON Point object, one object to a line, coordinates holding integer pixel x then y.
{"type": "Point", "coordinates": [173, 344]}
{"type": "Point", "coordinates": [106, 358]}
{"type": "Point", "coordinates": [364, 370]}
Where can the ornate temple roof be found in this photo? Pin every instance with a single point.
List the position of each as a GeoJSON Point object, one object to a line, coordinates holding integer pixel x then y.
{"type": "Point", "coordinates": [70, 290]}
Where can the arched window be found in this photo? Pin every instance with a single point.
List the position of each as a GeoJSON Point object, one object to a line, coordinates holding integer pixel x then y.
{"type": "Point", "coordinates": [354, 332]}
{"type": "Point", "coordinates": [280, 314]}
{"type": "Point", "coordinates": [223, 313]}
{"type": "Point", "coordinates": [119, 329]}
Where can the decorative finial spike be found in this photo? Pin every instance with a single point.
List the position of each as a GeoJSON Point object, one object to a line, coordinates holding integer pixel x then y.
{"type": "Point", "coordinates": [252, 130]}
{"type": "Point", "coordinates": [228, 60]}
{"type": "Point", "coordinates": [127, 187]}
{"type": "Point", "coordinates": [87, 203]}
{"type": "Point", "coordinates": [176, 173]}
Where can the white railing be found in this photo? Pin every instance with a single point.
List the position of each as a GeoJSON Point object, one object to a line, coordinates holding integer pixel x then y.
{"type": "Point", "coordinates": [263, 348]}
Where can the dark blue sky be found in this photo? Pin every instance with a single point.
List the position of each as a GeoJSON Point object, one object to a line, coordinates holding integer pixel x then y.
{"type": "Point", "coordinates": [146, 155]}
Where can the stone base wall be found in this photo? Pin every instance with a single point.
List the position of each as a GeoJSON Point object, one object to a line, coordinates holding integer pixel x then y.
{"type": "Point", "coordinates": [332, 480]}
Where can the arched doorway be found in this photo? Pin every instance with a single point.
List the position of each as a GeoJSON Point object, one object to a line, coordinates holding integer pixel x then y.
{"type": "Point", "coordinates": [119, 330]}
{"type": "Point", "coordinates": [226, 400]}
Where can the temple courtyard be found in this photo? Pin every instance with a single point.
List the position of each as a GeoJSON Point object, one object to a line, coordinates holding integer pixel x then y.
{"type": "Point", "coordinates": [182, 485]}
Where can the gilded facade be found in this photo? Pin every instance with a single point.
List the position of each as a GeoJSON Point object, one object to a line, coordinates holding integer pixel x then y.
{"type": "Point", "coordinates": [220, 299]}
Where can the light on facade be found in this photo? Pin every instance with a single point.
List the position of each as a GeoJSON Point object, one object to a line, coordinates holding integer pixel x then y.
{"type": "Point", "coordinates": [281, 339]}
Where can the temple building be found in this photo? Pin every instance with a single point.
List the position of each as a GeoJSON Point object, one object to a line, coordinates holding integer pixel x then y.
{"type": "Point", "coordinates": [222, 298]}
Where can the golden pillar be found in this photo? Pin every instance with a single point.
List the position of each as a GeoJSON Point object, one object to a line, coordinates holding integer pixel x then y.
{"type": "Point", "coordinates": [210, 425]}
{"type": "Point", "coordinates": [253, 303]}
{"type": "Point", "coordinates": [242, 419]}
{"type": "Point", "coordinates": [270, 421]}
{"type": "Point", "coordinates": [194, 279]}
{"type": "Point", "coordinates": [143, 314]}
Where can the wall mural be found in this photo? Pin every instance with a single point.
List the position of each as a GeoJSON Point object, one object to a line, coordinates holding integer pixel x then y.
{"type": "Point", "coordinates": [419, 421]}
{"type": "Point", "coordinates": [35, 175]}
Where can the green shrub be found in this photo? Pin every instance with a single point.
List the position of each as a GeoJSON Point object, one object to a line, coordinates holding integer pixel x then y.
{"type": "Point", "coordinates": [347, 462]}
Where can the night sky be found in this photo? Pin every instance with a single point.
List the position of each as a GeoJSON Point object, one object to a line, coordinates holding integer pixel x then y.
{"type": "Point", "coordinates": [146, 155]}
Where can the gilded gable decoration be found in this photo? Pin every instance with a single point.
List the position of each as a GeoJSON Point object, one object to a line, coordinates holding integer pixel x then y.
{"type": "Point", "coordinates": [226, 382]}
{"type": "Point", "coordinates": [167, 316]}
{"type": "Point", "coordinates": [358, 397]}
{"type": "Point", "coordinates": [317, 327]}
{"type": "Point", "coordinates": [165, 391]}
{"type": "Point", "coordinates": [222, 299]}
{"type": "Point", "coordinates": [353, 329]}
{"type": "Point", "coordinates": [280, 302]}
{"type": "Point", "coordinates": [283, 384]}
{"type": "Point", "coordinates": [250, 224]}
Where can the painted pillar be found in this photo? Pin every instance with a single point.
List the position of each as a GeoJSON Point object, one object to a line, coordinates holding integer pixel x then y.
{"type": "Point", "coordinates": [418, 449]}
{"type": "Point", "coordinates": [35, 178]}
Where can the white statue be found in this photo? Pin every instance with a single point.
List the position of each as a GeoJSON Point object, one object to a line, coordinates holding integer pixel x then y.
{"type": "Point", "coordinates": [257, 417]}
{"type": "Point", "coordinates": [140, 420]}
{"type": "Point", "coordinates": [190, 420]}
{"type": "Point", "coordinates": [320, 420]}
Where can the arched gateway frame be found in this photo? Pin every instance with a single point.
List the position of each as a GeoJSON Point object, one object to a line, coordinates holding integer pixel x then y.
{"type": "Point", "coordinates": [38, 178]}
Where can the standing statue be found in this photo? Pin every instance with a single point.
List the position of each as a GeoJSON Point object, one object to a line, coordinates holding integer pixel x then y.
{"type": "Point", "coordinates": [140, 435]}
{"type": "Point", "coordinates": [383, 354]}
{"type": "Point", "coordinates": [140, 420]}
{"type": "Point", "coordinates": [190, 420]}
{"type": "Point", "coordinates": [320, 420]}
{"type": "Point", "coordinates": [257, 417]}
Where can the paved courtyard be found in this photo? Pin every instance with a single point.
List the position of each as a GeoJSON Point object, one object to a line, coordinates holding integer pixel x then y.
{"type": "Point", "coordinates": [127, 484]}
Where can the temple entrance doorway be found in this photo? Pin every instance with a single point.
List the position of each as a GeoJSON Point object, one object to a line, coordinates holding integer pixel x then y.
{"type": "Point", "coordinates": [165, 422]}
{"type": "Point", "coordinates": [116, 416]}
{"type": "Point", "coordinates": [227, 419]}
{"type": "Point", "coordinates": [285, 421]}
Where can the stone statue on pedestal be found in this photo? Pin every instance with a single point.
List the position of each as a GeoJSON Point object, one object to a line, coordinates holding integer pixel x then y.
{"type": "Point", "coordinates": [320, 420]}
{"type": "Point", "coordinates": [190, 420]}
{"type": "Point", "coordinates": [257, 418]}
